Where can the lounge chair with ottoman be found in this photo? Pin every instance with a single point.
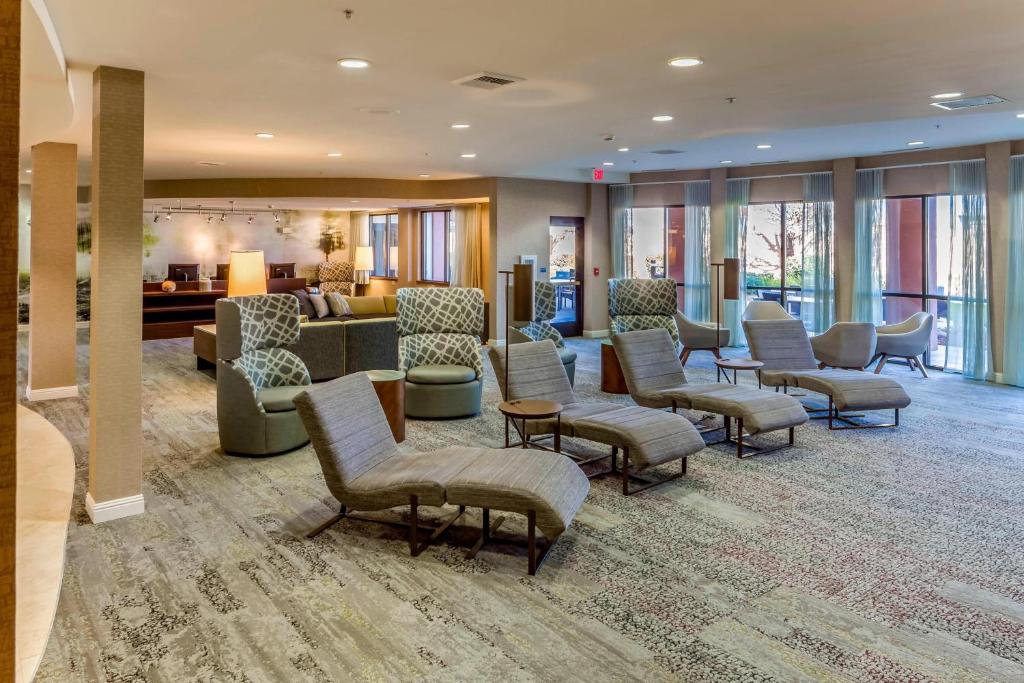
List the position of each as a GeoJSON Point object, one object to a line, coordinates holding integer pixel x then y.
{"type": "Point", "coordinates": [540, 327]}
{"type": "Point", "coordinates": [646, 437]}
{"type": "Point", "coordinates": [785, 350]}
{"type": "Point", "coordinates": [656, 379]}
{"type": "Point", "coordinates": [908, 340]}
{"type": "Point", "coordinates": [365, 471]}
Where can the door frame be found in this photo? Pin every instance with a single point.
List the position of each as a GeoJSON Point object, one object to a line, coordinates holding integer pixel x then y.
{"type": "Point", "coordinates": [571, 328]}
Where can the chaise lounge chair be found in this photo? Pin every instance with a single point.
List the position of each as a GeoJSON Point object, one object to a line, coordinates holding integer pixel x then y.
{"type": "Point", "coordinates": [785, 350]}
{"type": "Point", "coordinates": [364, 471]}
{"type": "Point", "coordinates": [655, 379]}
{"type": "Point", "coordinates": [646, 437]}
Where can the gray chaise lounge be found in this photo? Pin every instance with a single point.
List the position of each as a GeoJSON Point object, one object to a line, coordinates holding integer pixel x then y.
{"type": "Point", "coordinates": [785, 350]}
{"type": "Point", "coordinates": [655, 378]}
{"type": "Point", "coordinates": [364, 470]}
{"type": "Point", "coordinates": [646, 437]}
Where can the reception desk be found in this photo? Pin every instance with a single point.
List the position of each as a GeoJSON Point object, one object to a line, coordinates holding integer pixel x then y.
{"type": "Point", "coordinates": [168, 315]}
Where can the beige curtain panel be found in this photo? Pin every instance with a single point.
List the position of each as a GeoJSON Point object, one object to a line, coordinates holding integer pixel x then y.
{"type": "Point", "coordinates": [467, 252]}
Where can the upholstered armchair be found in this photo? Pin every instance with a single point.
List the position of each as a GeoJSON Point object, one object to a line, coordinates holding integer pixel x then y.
{"type": "Point", "coordinates": [908, 339]}
{"type": "Point", "coordinates": [336, 276]}
{"type": "Point", "coordinates": [439, 350]}
{"type": "Point", "coordinates": [698, 336]}
{"type": "Point", "coordinates": [540, 328]}
{"type": "Point", "coordinates": [643, 305]}
{"type": "Point", "coordinates": [765, 310]}
{"type": "Point", "coordinates": [845, 345]}
{"type": "Point", "coordinates": [256, 377]}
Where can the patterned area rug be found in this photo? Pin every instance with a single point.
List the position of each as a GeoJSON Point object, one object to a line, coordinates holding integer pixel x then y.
{"type": "Point", "coordinates": [864, 555]}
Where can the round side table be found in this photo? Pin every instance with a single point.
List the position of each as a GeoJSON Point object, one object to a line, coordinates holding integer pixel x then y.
{"type": "Point", "coordinates": [612, 379]}
{"type": "Point", "coordinates": [390, 388]}
{"type": "Point", "coordinates": [737, 364]}
{"type": "Point", "coordinates": [531, 409]}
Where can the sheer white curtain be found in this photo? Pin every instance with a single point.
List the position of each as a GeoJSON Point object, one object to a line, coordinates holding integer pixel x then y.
{"type": "Point", "coordinates": [1013, 333]}
{"type": "Point", "coordinates": [869, 246]}
{"type": "Point", "coordinates": [737, 197]}
{"type": "Point", "coordinates": [466, 256]}
{"type": "Point", "coordinates": [620, 201]}
{"type": "Point", "coordinates": [697, 250]}
{"type": "Point", "coordinates": [818, 303]}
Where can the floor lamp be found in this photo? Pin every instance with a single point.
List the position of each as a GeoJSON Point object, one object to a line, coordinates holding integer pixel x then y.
{"type": "Point", "coordinates": [522, 304]}
{"type": "Point", "coordinates": [730, 290]}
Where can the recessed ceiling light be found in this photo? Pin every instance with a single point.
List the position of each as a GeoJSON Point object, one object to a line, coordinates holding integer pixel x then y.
{"type": "Point", "coordinates": [460, 126]}
{"type": "Point", "coordinates": [609, 163]}
{"type": "Point", "coordinates": [353, 63]}
{"type": "Point", "coordinates": [469, 155]}
{"type": "Point", "coordinates": [683, 62]}
{"type": "Point", "coordinates": [661, 118]}
{"type": "Point", "coordinates": [946, 95]}
{"type": "Point", "coordinates": [424, 175]}
{"type": "Point", "coordinates": [764, 146]}
{"type": "Point", "coordinates": [264, 136]}
{"type": "Point", "coordinates": [1021, 115]}
{"type": "Point", "coordinates": [623, 149]}
{"type": "Point", "coordinates": [915, 143]}
{"type": "Point", "coordinates": [334, 155]}
{"type": "Point", "coordinates": [725, 161]}
{"type": "Point", "coordinates": [354, 201]}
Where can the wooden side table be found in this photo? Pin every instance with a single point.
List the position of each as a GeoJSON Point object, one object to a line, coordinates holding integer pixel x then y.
{"type": "Point", "coordinates": [531, 409]}
{"type": "Point", "coordinates": [737, 364]}
{"type": "Point", "coordinates": [612, 379]}
{"type": "Point", "coordinates": [390, 388]}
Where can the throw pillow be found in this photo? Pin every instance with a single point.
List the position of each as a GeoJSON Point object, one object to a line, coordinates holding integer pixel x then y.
{"type": "Point", "coordinates": [305, 305]}
{"type": "Point", "coordinates": [320, 304]}
{"type": "Point", "coordinates": [339, 307]}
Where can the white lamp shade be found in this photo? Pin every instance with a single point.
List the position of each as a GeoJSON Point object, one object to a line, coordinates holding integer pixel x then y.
{"type": "Point", "coordinates": [364, 258]}
{"type": "Point", "coordinates": [247, 275]}
{"type": "Point", "coordinates": [393, 256]}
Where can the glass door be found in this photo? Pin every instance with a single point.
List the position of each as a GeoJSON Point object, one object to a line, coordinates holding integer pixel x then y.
{"type": "Point", "coordinates": [565, 259]}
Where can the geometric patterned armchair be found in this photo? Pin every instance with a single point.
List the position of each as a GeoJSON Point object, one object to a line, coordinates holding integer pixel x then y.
{"type": "Point", "coordinates": [336, 276]}
{"type": "Point", "coordinates": [256, 377]}
{"type": "Point", "coordinates": [439, 349]}
{"type": "Point", "coordinates": [635, 304]}
{"type": "Point", "coordinates": [540, 328]}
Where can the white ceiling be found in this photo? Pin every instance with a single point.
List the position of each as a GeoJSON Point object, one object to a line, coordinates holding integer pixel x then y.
{"type": "Point", "coordinates": [815, 79]}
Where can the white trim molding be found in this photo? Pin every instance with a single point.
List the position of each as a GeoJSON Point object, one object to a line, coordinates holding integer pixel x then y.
{"type": "Point", "coordinates": [110, 510]}
{"type": "Point", "coordinates": [51, 393]}
{"type": "Point", "coordinates": [595, 334]}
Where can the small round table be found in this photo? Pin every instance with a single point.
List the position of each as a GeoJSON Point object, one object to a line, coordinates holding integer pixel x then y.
{"type": "Point", "coordinates": [612, 379]}
{"type": "Point", "coordinates": [390, 388]}
{"type": "Point", "coordinates": [737, 364]}
{"type": "Point", "coordinates": [531, 409]}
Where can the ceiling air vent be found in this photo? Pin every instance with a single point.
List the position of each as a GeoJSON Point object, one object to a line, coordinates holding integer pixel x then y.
{"type": "Point", "coordinates": [487, 80]}
{"type": "Point", "coordinates": [667, 152]}
{"type": "Point", "coordinates": [968, 102]}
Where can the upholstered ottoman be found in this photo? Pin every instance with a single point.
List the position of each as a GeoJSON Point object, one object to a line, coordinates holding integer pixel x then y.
{"type": "Point", "coordinates": [647, 438]}
{"type": "Point", "coordinates": [546, 487]}
{"type": "Point", "coordinates": [755, 412]}
{"type": "Point", "coordinates": [848, 390]}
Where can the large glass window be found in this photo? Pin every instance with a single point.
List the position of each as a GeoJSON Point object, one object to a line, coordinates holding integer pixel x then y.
{"type": "Point", "coordinates": [384, 238]}
{"type": "Point", "coordinates": [435, 246]}
{"type": "Point", "coordinates": [772, 253]}
{"type": "Point", "coordinates": [655, 239]}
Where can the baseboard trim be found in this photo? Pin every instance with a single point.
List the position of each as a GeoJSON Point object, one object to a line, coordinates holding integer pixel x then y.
{"type": "Point", "coordinates": [595, 334]}
{"type": "Point", "coordinates": [51, 393]}
{"type": "Point", "coordinates": [110, 510]}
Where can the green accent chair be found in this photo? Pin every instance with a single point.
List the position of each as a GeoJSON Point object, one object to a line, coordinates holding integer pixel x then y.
{"type": "Point", "coordinates": [257, 379]}
{"type": "Point", "coordinates": [635, 304]}
{"type": "Point", "coordinates": [439, 350]}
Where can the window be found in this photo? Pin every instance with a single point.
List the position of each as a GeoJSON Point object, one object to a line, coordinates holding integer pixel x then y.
{"type": "Point", "coordinates": [384, 238]}
{"type": "Point", "coordinates": [772, 254]}
{"type": "Point", "coordinates": [655, 244]}
{"type": "Point", "coordinates": [435, 246]}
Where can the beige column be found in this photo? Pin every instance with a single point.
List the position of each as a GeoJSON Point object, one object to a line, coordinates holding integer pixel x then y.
{"type": "Point", "coordinates": [843, 174]}
{"type": "Point", "coordinates": [596, 254]}
{"type": "Point", "coordinates": [997, 174]}
{"type": "Point", "coordinates": [717, 251]}
{"type": "Point", "coordinates": [115, 331]}
{"type": "Point", "coordinates": [10, 78]}
{"type": "Point", "coordinates": [52, 297]}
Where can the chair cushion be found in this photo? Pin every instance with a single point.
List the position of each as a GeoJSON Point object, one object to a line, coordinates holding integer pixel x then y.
{"type": "Point", "coordinates": [426, 476]}
{"type": "Point", "coordinates": [856, 390]}
{"type": "Point", "coordinates": [279, 399]}
{"type": "Point", "coordinates": [683, 395]}
{"type": "Point", "coordinates": [567, 356]}
{"type": "Point", "coordinates": [570, 413]}
{"type": "Point", "coordinates": [550, 484]}
{"type": "Point", "coordinates": [761, 411]}
{"type": "Point", "coordinates": [653, 437]}
{"type": "Point", "coordinates": [440, 374]}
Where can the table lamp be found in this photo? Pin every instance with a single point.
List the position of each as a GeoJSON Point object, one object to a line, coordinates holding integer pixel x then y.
{"type": "Point", "coordinates": [246, 274]}
{"type": "Point", "coordinates": [363, 263]}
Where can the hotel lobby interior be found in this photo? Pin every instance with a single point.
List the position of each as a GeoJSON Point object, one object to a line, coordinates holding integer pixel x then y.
{"type": "Point", "coordinates": [406, 341]}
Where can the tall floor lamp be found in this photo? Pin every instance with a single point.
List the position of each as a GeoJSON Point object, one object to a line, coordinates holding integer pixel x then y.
{"type": "Point", "coordinates": [522, 304]}
{"type": "Point", "coordinates": [730, 289]}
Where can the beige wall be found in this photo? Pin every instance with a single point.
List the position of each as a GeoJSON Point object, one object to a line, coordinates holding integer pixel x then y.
{"type": "Point", "coordinates": [596, 254]}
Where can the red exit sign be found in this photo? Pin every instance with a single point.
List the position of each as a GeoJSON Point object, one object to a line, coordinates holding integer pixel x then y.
{"type": "Point", "coordinates": [598, 174]}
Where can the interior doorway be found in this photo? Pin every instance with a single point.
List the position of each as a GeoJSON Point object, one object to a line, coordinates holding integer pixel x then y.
{"type": "Point", "coordinates": [565, 259]}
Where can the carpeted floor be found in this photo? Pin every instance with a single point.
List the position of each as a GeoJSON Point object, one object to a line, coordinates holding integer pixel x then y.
{"type": "Point", "coordinates": [866, 555]}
